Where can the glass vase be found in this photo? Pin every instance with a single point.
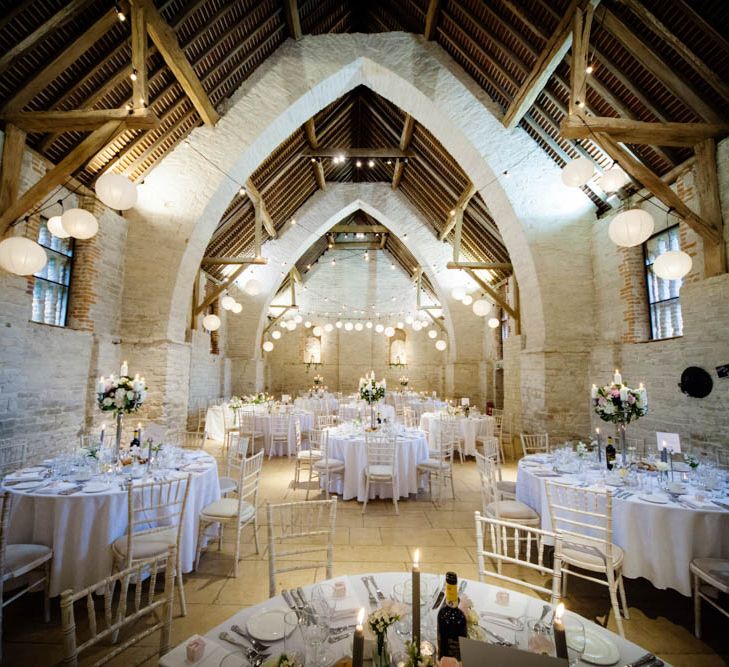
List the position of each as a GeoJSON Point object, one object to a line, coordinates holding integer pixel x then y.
{"type": "Point", "coordinates": [117, 442]}
{"type": "Point", "coordinates": [381, 652]}
{"type": "Point", "coordinates": [373, 425]}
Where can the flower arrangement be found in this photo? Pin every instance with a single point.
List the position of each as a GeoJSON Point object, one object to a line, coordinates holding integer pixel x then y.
{"type": "Point", "coordinates": [284, 660]}
{"type": "Point", "coordinates": [121, 394]}
{"type": "Point", "coordinates": [619, 404]}
{"type": "Point", "coordinates": [318, 380]}
{"type": "Point", "coordinates": [379, 621]}
{"type": "Point", "coordinates": [416, 660]}
{"type": "Point", "coordinates": [235, 402]}
{"type": "Point", "coordinates": [581, 449]}
{"type": "Point", "coordinates": [404, 381]}
{"type": "Point", "coordinates": [465, 604]}
{"type": "Point", "coordinates": [370, 390]}
{"type": "Point", "coordinates": [691, 460]}
{"type": "Point", "coordinates": [90, 452]}
{"type": "Point", "coordinates": [258, 399]}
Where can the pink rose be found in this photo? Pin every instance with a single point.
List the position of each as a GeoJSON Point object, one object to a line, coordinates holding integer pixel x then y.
{"type": "Point", "coordinates": [465, 603]}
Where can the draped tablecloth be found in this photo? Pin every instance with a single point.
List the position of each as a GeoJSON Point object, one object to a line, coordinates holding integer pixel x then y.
{"type": "Point", "coordinates": [412, 448]}
{"type": "Point", "coordinates": [659, 540]}
{"type": "Point", "coordinates": [327, 405]}
{"type": "Point", "coordinates": [81, 528]}
{"type": "Point", "coordinates": [215, 428]}
{"type": "Point", "coordinates": [361, 410]}
{"type": "Point", "coordinates": [470, 428]}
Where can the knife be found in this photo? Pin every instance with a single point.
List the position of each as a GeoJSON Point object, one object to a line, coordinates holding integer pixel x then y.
{"type": "Point", "coordinates": [380, 594]}
{"type": "Point", "coordinates": [305, 605]}
{"type": "Point", "coordinates": [438, 600]}
{"type": "Point", "coordinates": [643, 660]}
{"type": "Point", "coordinates": [370, 594]}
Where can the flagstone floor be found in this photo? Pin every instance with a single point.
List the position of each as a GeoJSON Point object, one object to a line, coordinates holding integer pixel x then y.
{"type": "Point", "coordinates": [660, 621]}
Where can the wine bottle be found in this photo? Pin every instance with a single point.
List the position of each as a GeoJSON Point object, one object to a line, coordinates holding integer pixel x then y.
{"type": "Point", "coordinates": [451, 621]}
{"type": "Point", "coordinates": [610, 453]}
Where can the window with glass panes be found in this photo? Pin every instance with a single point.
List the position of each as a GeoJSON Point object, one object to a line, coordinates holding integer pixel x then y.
{"type": "Point", "coordinates": [663, 295]}
{"type": "Point", "coordinates": [52, 283]}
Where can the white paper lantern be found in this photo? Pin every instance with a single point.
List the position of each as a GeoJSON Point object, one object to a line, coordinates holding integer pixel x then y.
{"type": "Point", "coordinates": [338, 324]}
{"type": "Point", "coordinates": [433, 334]}
{"type": "Point", "coordinates": [227, 302]}
{"type": "Point", "coordinates": [252, 287]}
{"type": "Point", "coordinates": [631, 228]}
{"type": "Point", "coordinates": [389, 332]}
{"type": "Point", "coordinates": [79, 223]}
{"type": "Point", "coordinates": [22, 256]}
{"type": "Point", "coordinates": [284, 324]}
{"type": "Point", "coordinates": [481, 307]}
{"type": "Point", "coordinates": [400, 325]}
{"type": "Point", "coordinates": [409, 319]}
{"type": "Point", "coordinates": [672, 265]}
{"type": "Point", "coordinates": [576, 173]}
{"type": "Point", "coordinates": [211, 322]}
{"type": "Point", "coordinates": [291, 325]}
{"type": "Point", "coordinates": [276, 334]}
{"type": "Point", "coordinates": [458, 293]}
{"type": "Point", "coordinates": [116, 191]}
{"type": "Point", "coordinates": [467, 300]}
{"type": "Point", "coordinates": [368, 325]}
{"type": "Point", "coordinates": [359, 326]}
{"type": "Point", "coordinates": [417, 326]}
{"type": "Point", "coordinates": [237, 308]}
{"type": "Point", "coordinates": [348, 326]}
{"type": "Point", "coordinates": [307, 324]}
{"type": "Point", "coordinates": [317, 331]}
{"type": "Point", "coordinates": [328, 327]}
{"type": "Point", "coordinates": [379, 328]}
{"type": "Point", "coordinates": [440, 345]}
{"type": "Point", "coordinates": [493, 322]}
{"type": "Point", "coordinates": [613, 179]}
{"type": "Point", "coordinates": [298, 319]}
{"type": "Point", "coordinates": [55, 227]}
{"type": "Point", "coordinates": [268, 346]}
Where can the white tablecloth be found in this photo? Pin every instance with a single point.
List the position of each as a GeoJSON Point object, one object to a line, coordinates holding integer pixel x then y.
{"type": "Point", "coordinates": [81, 528]}
{"type": "Point", "coordinates": [483, 596]}
{"type": "Point", "coordinates": [470, 428]}
{"type": "Point", "coordinates": [327, 405]}
{"type": "Point", "coordinates": [412, 448]}
{"type": "Point", "coordinates": [215, 429]}
{"type": "Point", "coordinates": [361, 410]}
{"type": "Point", "coordinates": [659, 540]}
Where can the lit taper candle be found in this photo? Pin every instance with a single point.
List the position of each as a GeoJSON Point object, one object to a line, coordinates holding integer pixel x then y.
{"type": "Point", "coordinates": [560, 637]}
{"type": "Point", "coordinates": [358, 642]}
{"type": "Point", "coordinates": [416, 599]}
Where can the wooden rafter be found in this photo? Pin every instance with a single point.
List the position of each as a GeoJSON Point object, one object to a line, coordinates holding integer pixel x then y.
{"type": "Point", "coordinates": [168, 45]}
{"type": "Point", "coordinates": [81, 120]}
{"type": "Point", "coordinates": [511, 312]}
{"type": "Point", "coordinates": [316, 165]}
{"type": "Point", "coordinates": [56, 176]}
{"type": "Point", "coordinates": [260, 208]}
{"type": "Point", "coordinates": [375, 153]}
{"type": "Point", "coordinates": [292, 18]}
{"type": "Point", "coordinates": [485, 266]}
{"type": "Point", "coordinates": [707, 192]}
{"type": "Point", "coordinates": [219, 289]}
{"type": "Point", "coordinates": [406, 137]}
{"type": "Point", "coordinates": [581, 25]}
{"type": "Point", "coordinates": [358, 229]}
{"type": "Point", "coordinates": [431, 19]}
{"type": "Point", "coordinates": [13, 148]}
{"type": "Point", "coordinates": [217, 260]}
{"type": "Point", "coordinates": [140, 88]}
{"type": "Point", "coordinates": [460, 206]}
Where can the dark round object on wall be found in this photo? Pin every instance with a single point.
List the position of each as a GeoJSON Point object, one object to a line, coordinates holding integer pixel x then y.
{"type": "Point", "coordinates": [696, 382]}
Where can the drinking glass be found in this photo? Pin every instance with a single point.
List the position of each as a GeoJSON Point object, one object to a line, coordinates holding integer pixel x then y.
{"type": "Point", "coordinates": [293, 639]}
{"type": "Point", "coordinates": [575, 632]}
{"type": "Point", "coordinates": [403, 627]}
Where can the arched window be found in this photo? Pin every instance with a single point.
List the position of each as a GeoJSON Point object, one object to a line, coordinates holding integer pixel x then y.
{"type": "Point", "coordinates": [312, 350]}
{"type": "Point", "coordinates": [398, 354]}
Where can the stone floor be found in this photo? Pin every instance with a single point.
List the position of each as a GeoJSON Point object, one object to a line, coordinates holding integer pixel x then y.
{"type": "Point", "coordinates": [660, 621]}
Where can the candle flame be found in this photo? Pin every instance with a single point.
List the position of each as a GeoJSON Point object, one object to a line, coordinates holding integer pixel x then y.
{"type": "Point", "coordinates": [416, 558]}
{"type": "Point", "coordinates": [640, 386]}
{"type": "Point", "coordinates": [597, 430]}
{"type": "Point", "coordinates": [139, 425]}
{"type": "Point", "coordinates": [616, 370]}
{"type": "Point", "coordinates": [360, 616]}
{"type": "Point", "coordinates": [103, 426]}
{"type": "Point", "coordinates": [559, 612]}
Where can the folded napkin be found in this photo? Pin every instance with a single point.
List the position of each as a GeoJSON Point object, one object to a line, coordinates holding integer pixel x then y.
{"type": "Point", "coordinates": [213, 656]}
{"type": "Point", "coordinates": [55, 488]}
{"type": "Point", "coordinates": [346, 609]}
{"type": "Point", "coordinates": [27, 477]}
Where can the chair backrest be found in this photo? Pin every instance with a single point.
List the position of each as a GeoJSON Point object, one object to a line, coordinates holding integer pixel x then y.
{"type": "Point", "coordinates": [444, 447]}
{"type": "Point", "coordinates": [12, 457]}
{"type": "Point", "coordinates": [246, 421]}
{"type": "Point", "coordinates": [156, 507]}
{"type": "Point", "coordinates": [297, 433]}
{"type": "Point", "coordinates": [119, 612]}
{"type": "Point", "coordinates": [193, 440]}
{"type": "Point", "coordinates": [408, 417]}
{"type": "Point", "coordinates": [488, 477]}
{"type": "Point", "coordinates": [6, 500]}
{"type": "Point", "coordinates": [491, 449]}
{"type": "Point", "coordinates": [280, 426]}
{"type": "Point", "coordinates": [582, 517]}
{"type": "Point", "coordinates": [380, 451]}
{"type": "Point", "coordinates": [324, 421]}
{"type": "Point", "coordinates": [249, 478]}
{"type": "Point", "coordinates": [537, 443]}
{"type": "Point", "coordinates": [237, 452]}
{"type": "Point", "coordinates": [502, 542]}
{"type": "Point", "coordinates": [307, 529]}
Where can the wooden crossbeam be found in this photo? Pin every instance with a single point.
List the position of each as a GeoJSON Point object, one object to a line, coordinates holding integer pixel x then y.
{"type": "Point", "coordinates": [316, 165]}
{"type": "Point", "coordinates": [358, 229]}
{"type": "Point", "coordinates": [658, 67]}
{"type": "Point", "coordinates": [650, 180]}
{"type": "Point", "coordinates": [357, 152]}
{"type": "Point", "coordinates": [357, 245]}
{"type": "Point", "coordinates": [435, 320]}
{"type": "Point", "coordinates": [259, 206]}
{"type": "Point", "coordinates": [13, 148]}
{"type": "Point", "coordinates": [581, 25]}
{"type": "Point", "coordinates": [219, 289]}
{"type": "Point", "coordinates": [639, 132]}
{"type": "Point", "coordinates": [706, 181]}
{"type": "Point", "coordinates": [397, 173]}
{"type": "Point", "coordinates": [494, 295]}
{"type": "Point", "coordinates": [431, 19]}
{"type": "Point", "coordinates": [140, 91]}
{"type": "Point", "coordinates": [485, 266]}
{"type": "Point", "coordinates": [215, 260]}
{"type": "Point", "coordinates": [406, 137]}
{"type": "Point", "coordinates": [80, 120]}
{"type": "Point", "coordinates": [276, 319]}
{"type": "Point", "coordinates": [292, 19]}
{"type": "Point", "coordinates": [77, 158]}
{"type": "Point", "coordinates": [461, 205]}
{"type": "Point", "coordinates": [168, 45]}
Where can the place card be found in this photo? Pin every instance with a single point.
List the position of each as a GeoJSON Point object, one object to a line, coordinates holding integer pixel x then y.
{"type": "Point", "coordinates": [476, 654]}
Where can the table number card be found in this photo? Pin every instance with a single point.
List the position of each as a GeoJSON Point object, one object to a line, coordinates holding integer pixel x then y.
{"type": "Point", "coordinates": [476, 654]}
{"type": "Point", "coordinates": [669, 441]}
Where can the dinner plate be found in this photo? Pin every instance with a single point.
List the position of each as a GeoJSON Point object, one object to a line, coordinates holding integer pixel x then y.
{"type": "Point", "coordinates": [26, 486]}
{"type": "Point", "coordinates": [33, 469]}
{"type": "Point", "coordinates": [656, 498]}
{"type": "Point", "coordinates": [96, 487]}
{"type": "Point", "coordinates": [197, 467]}
{"type": "Point", "coordinates": [56, 488]}
{"type": "Point", "coordinates": [268, 626]}
{"type": "Point", "coordinates": [598, 649]}
{"type": "Point", "coordinates": [706, 504]}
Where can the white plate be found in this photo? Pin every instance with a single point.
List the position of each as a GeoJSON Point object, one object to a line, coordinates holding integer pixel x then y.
{"type": "Point", "coordinates": [96, 487]}
{"type": "Point", "coordinates": [598, 649]}
{"type": "Point", "coordinates": [33, 469]}
{"type": "Point", "coordinates": [56, 487]}
{"type": "Point", "coordinates": [196, 467]}
{"type": "Point", "coordinates": [654, 498]}
{"type": "Point", "coordinates": [706, 504]}
{"type": "Point", "coordinates": [268, 626]}
{"type": "Point", "coordinates": [25, 486]}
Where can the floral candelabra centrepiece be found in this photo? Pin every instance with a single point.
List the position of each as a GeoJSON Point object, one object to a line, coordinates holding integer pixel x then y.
{"type": "Point", "coordinates": [379, 621]}
{"type": "Point", "coordinates": [404, 381]}
{"type": "Point", "coordinates": [120, 395]}
{"type": "Point", "coordinates": [619, 404]}
{"type": "Point", "coordinates": [318, 380]}
{"type": "Point", "coordinates": [258, 399]}
{"type": "Point", "coordinates": [371, 391]}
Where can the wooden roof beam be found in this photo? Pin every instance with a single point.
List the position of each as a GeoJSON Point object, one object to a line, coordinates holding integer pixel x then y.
{"type": "Point", "coordinates": [316, 165]}
{"type": "Point", "coordinates": [581, 24]}
{"type": "Point", "coordinates": [13, 148]}
{"type": "Point", "coordinates": [260, 208]}
{"type": "Point", "coordinates": [481, 266]}
{"type": "Point", "coordinates": [293, 21]}
{"type": "Point", "coordinates": [460, 206]}
{"type": "Point", "coordinates": [359, 229]}
{"type": "Point", "coordinates": [706, 182]}
{"type": "Point", "coordinates": [168, 45]}
{"type": "Point", "coordinates": [216, 261]}
{"type": "Point", "coordinates": [219, 289]}
{"type": "Point", "coordinates": [511, 312]}
{"type": "Point", "coordinates": [140, 88]}
{"type": "Point", "coordinates": [82, 120]}
{"type": "Point", "coordinates": [405, 138]}
{"type": "Point", "coordinates": [431, 19]}
{"type": "Point", "coordinates": [348, 152]}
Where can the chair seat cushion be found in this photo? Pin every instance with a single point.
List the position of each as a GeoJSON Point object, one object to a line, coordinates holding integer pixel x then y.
{"type": "Point", "coordinates": [376, 470]}
{"type": "Point", "coordinates": [22, 558]}
{"type": "Point", "coordinates": [309, 454]}
{"type": "Point", "coordinates": [227, 508]}
{"type": "Point", "coordinates": [433, 463]}
{"type": "Point", "coordinates": [590, 556]}
{"type": "Point", "coordinates": [511, 509]}
{"type": "Point", "coordinates": [506, 487]}
{"type": "Point", "coordinates": [329, 464]}
{"type": "Point", "coordinates": [713, 571]}
{"type": "Point", "coordinates": [146, 545]}
{"type": "Point", "coordinates": [227, 484]}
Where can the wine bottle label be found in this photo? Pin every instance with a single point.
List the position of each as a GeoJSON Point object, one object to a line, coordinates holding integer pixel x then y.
{"type": "Point", "coordinates": [451, 593]}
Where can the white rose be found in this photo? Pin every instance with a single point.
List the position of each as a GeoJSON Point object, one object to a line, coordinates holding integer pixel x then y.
{"type": "Point", "coordinates": [130, 395]}
{"type": "Point", "coordinates": [120, 393]}
{"type": "Point", "coordinates": [119, 401]}
{"type": "Point", "coordinates": [108, 401]}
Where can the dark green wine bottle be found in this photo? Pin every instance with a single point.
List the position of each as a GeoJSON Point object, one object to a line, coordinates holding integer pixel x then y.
{"type": "Point", "coordinates": [451, 621]}
{"type": "Point", "coordinates": [610, 453]}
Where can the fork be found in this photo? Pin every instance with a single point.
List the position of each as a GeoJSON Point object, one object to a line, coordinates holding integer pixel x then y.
{"type": "Point", "coordinates": [373, 599]}
{"type": "Point", "coordinates": [258, 646]}
{"type": "Point", "coordinates": [251, 654]}
{"type": "Point", "coordinates": [380, 594]}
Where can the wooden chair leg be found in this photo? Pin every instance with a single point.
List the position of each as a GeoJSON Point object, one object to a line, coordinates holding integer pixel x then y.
{"type": "Point", "coordinates": [46, 592]}
{"type": "Point", "coordinates": [697, 605]}
{"type": "Point", "coordinates": [623, 598]}
{"type": "Point", "coordinates": [612, 587]}
{"type": "Point", "coordinates": [181, 586]}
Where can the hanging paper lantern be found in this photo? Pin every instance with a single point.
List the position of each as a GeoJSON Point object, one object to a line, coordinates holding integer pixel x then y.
{"type": "Point", "coordinates": [338, 324]}
{"type": "Point", "coordinates": [79, 223]}
{"type": "Point", "coordinates": [440, 345]}
{"type": "Point", "coordinates": [227, 302]}
{"type": "Point", "coordinates": [348, 326]}
{"type": "Point", "coordinates": [116, 191]}
{"type": "Point", "coordinates": [576, 173]}
{"type": "Point", "coordinates": [481, 307]}
{"type": "Point", "coordinates": [400, 325]}
{"type": "Point", "coordinates": [275, 334]}
{"type": "Point", "coordinates": [672, 265]}
{"type": "Point", "coordinates": [22, 256]}
{"type": "Point", "coordinates": [211, 322]}
{"type": "Point", "coordinates": [389, 332]}
{"type": "Point", "coordinates": [55, 227]}
{"type": "Point", "coordinates": [458, 293]}
{"type": "Point", "coordinates": [493, 322]}
{"type": "Point", "coordinates": [631, 228]}
{"type": "Point", "coordinates": [291, 325]}
{"type": "Point", "coordinates": [237, 308]}
{"type": "Point", "coordinates": [298, 319]}
{"type": "Point", "coordinates": [368, 325]}
{"type": "Point", "coordinates": [328, 327]}
{"type": "Point", "coordinates": [252, 287]}
{"type": "Point", "coordinates": [379, 328]}
{"type": "Point", "coordinates": [433, 334]}
{"type": "Point", "coordinates": [359, 326]}
{"type": "Point", "coordinates": [317, 331]}
{"type": "Point", "coordinates": [409, 319]}
{"type": "Point", "coordinates": [613, 179]}
{"type": "Point", "coordinates": [307, 325]}
{"type": "Point", "coordinates": [417, 326]}
{"type": "Point", "coordinates": [467, 300]}
{"type": "Point", "coordinates": [268, 346]}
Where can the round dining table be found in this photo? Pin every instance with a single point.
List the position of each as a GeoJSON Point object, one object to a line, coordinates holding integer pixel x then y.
{"type": "Point", "coordinates": [659, 535]}
{"type": "Point", "coordinates": [357, 596]}
{"type": "Point", "coordinates": [347, 443]}
{"type": "Point", "coordinates": [470, 428]}
{"type": "Point", "coordinates": [81, 527]}
{"type": "Point", "coordinates": [361, 410]}
{"type": "Point", "coordinates": [319, 405]}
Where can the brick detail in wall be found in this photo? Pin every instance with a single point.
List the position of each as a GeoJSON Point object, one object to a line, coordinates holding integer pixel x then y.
{"type": "Point", "coordinates": [633, 295]}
